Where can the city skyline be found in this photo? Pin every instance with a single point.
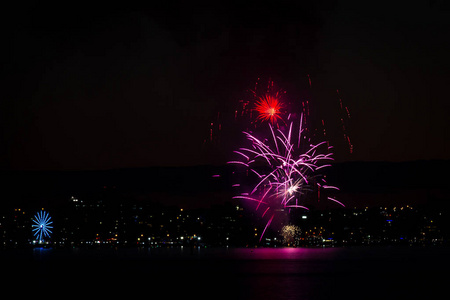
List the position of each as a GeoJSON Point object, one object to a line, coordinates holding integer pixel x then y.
{"type": "Point", "coordinates": [113, 221]}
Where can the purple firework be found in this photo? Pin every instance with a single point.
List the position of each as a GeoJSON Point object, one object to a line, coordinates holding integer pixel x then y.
{"type": "Point", "coordinates": [286, 166]}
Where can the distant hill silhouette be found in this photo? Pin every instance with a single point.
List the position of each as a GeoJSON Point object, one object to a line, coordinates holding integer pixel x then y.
{"type": "Point", "coordinates": [24, 187]}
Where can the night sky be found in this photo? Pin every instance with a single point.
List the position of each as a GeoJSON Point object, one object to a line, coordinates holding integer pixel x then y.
{"type": "Point", "coordinates": [92, 87]}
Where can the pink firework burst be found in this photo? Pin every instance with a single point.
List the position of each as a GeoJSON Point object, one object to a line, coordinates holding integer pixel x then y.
{"type": "Point", "coordinates": [286, 167]}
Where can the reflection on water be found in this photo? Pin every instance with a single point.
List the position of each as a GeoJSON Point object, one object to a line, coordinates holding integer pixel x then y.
{"type": "Point", "coordinates": [285, 253]}
{"type": "Point", "coordinates": [262, 273]}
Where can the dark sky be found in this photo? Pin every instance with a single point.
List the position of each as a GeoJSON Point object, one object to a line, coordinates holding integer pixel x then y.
{"type": "Point", "coordinates": [94, 87]}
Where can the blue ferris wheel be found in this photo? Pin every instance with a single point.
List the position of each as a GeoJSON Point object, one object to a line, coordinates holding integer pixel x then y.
{"type": "Point", "coordinates": [42, 225]}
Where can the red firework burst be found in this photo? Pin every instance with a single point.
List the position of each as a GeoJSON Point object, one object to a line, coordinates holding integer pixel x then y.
{"type": "Point", "coordinates": [268, 108]}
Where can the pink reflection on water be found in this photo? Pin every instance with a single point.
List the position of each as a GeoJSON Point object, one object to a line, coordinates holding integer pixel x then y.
{"type": "Point", "coordinates": [285, 253]}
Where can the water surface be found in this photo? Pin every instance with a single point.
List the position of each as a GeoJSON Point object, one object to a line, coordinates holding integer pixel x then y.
{"type": "Point", "coordinates": [262, 273]}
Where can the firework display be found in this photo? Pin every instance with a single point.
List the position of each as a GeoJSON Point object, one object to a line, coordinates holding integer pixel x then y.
{"type": "Point", "coordinates": [282, 160]}
{"type": "Point", "coordinates": [262, 104]}
{"type": "Point", "coordinates": [268, 107]}
{"type": "Point", "coordinates": [290, 234]}
{"type": "Point", "coordinates": [286, 169]}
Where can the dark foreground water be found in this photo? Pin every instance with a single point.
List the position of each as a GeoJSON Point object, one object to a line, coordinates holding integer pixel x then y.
{"type": "Point", "coordinates": [263, 273]}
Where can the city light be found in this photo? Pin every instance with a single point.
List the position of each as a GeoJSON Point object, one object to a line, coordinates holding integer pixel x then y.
{"type": "Point", "coordinates": [327, 228]}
